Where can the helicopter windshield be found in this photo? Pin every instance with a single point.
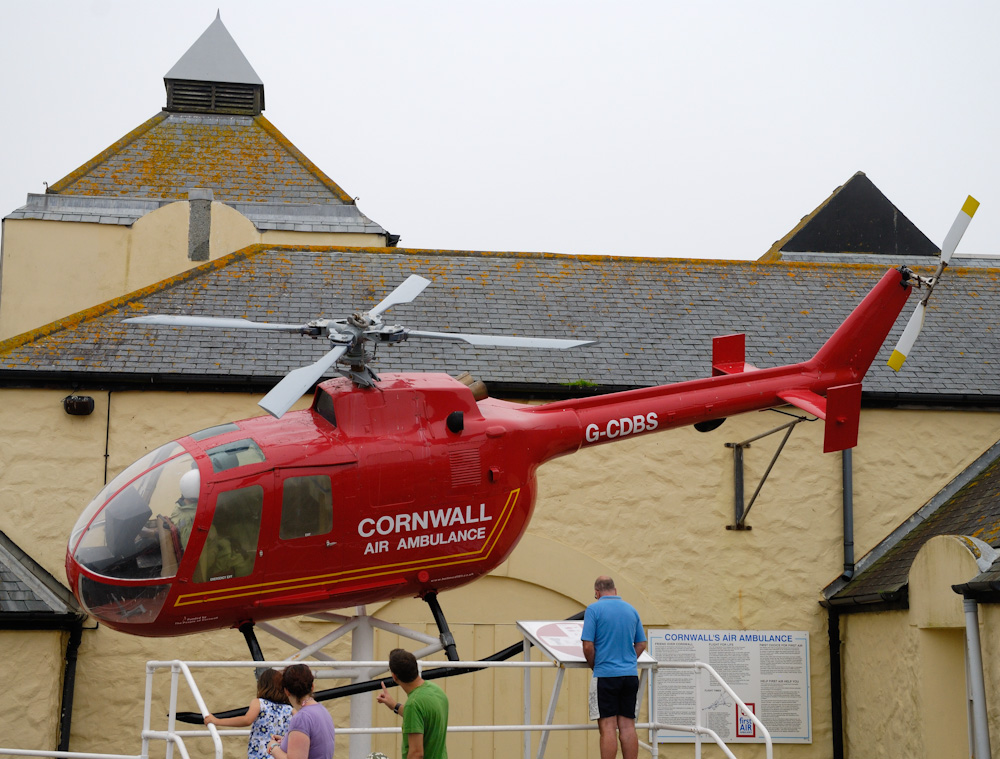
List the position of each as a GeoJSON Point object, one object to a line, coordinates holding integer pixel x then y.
{"type": "Point", "coordinates": [141, 533]}
{"type": "Point", "coordinates": [151, 459]}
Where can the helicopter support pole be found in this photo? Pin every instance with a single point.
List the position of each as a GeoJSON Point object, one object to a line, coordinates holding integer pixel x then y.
{"type": "Point", "coordinates": [447, 639]}
{"type": "Point", "coordinates": [362, 649]}
{"type": "Point", "coordinates": [251, 637]}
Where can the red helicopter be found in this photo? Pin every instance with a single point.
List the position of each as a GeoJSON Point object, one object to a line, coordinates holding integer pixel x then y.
{"type": "Point", "coordinates": [402, 485]}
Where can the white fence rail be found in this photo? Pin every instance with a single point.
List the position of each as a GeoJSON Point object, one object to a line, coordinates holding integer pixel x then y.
{"type": "Point", "coordinates": [175, 738]}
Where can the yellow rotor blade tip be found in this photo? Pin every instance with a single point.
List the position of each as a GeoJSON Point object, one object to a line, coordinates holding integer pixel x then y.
{"type": "Point", "coordinates": [896, 360]}
{"type": "Point", "coordinates": [971, 204]}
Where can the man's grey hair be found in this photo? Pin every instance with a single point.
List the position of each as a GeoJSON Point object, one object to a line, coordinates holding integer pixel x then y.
{"type": "Point", "coordinates": [604, 584]}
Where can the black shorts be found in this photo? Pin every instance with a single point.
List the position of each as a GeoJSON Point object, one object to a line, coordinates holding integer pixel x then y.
{"type": "Point", "coordinates": [616, 696]}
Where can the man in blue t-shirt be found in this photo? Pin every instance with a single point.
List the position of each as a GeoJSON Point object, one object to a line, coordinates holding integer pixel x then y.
{"type": "Point", "coordinates": [613, 640]}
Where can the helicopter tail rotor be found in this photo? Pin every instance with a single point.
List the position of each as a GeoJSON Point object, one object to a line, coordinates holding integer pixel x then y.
{"type": "Point", "coordinates": [916, 322]}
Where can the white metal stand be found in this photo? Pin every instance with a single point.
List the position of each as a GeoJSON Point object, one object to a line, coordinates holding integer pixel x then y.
{"type": "Point", "coordinates": [362, 629]}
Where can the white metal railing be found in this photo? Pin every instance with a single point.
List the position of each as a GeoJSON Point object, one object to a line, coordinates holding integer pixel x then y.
{"type": "Point", "coordinates": [178, 669]}
{"type": "Point", "coordinates": [698, 729]}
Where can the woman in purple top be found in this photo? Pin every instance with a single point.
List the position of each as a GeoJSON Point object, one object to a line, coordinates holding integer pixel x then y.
{"type": "Point", "coordinates": [310, 731]}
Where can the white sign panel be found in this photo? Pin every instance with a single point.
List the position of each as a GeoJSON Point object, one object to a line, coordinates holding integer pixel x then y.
{"type": "Point", "coordinates": [768, 670]}
{"type": "Point", "coordinates": [561, 640]}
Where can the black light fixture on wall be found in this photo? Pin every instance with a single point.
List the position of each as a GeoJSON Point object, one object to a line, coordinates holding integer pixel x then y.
{"type": "Point", "coordinates": [78, 405]}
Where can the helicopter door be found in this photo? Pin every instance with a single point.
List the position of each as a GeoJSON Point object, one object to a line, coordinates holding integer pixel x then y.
{"type": "Point", "coordinates": [307, 531]}
{"type": "Point", "coordinates": [230, 550]}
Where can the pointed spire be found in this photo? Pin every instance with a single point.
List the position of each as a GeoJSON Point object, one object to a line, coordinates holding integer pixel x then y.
{"type": "Point", "coordinates": [858, 218]}
{"type": "Point", "coordinates": [214, 76]}
{"type": "Point", "coordinates": [215, 57]}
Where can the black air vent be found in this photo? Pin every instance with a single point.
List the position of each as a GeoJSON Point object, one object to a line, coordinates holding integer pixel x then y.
{"type": "Point", "coordinates": [214, 97]}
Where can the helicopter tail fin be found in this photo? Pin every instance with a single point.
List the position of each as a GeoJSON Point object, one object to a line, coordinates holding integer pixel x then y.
{"type": "Point", "coordinates": [841, 409]}
{"type": "Point", "coordinates": [729, 355]}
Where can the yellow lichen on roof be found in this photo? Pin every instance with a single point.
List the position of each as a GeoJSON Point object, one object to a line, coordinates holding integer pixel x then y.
{"type": "Point", "coordinates": [301, 158]}
{"type": "Point", "coordinates": [242, 160]}
{"type": "Point", "coordinates": [115, 147]}
{"type": "Point", "coordinates": [132, 300]}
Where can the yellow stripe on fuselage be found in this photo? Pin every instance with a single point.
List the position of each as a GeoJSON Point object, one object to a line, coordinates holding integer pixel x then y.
{"type": "Point", "coordinates": [354, 575]}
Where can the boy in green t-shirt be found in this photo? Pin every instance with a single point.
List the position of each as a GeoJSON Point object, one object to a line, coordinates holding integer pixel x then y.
{"type": "Point", "coordinates": [425, 714]}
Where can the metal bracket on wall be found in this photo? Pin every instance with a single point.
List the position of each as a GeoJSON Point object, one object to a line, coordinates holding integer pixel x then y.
{"type": "Point", "coordinates": [740, 510]}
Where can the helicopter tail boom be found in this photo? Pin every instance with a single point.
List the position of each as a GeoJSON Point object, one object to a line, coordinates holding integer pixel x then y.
{"type": "Point", "coordinates": [828, 385]}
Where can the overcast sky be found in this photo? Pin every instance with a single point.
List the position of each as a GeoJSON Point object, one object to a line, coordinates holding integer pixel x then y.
{"type": "Point", "coordinates": [695, 129]}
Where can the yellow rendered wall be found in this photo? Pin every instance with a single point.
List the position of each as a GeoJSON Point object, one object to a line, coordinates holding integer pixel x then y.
{"type": "Point", "coordinates": [989, 635]}
{"type": "Point", "coordinates": [52, 269]}
{"type": "Point", "coordinates": [881, 675]}
{"type": "Point", "coordinates": [915, 705]}
{"type": "Point", "coordinates": [906, 689]}
{"type": "Point", "coordinates": [31, 670]}
{"type": "Point", "coordinates": [651, 511]}
{"type": "Point", "coordinates": [285, 237]}
{"type": "Point", "coordinates": [943, 718]}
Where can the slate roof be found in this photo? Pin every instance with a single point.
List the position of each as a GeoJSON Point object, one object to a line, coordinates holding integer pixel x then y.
{"type": "Point", "coordinates": [968, 506]}
{"type": "Point", "coordinates": [244, 160]}
{"type": "Point", "coordinates": [654, 320]}
{"type": "Point", "coordinates": [30, 596]}
{"type": "Point", "coordinates": [240, 158]}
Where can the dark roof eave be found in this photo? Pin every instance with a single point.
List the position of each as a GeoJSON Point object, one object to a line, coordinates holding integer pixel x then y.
{"type": "Point", "coordinates": [883, 600]}
{"type": "Point", "coordinates": [31, 620]}
{"type": "Point", "coordinates": [133, 381]}
{"type": "Point", "coordinates": [181, 381]}
{"type": "Point", "coordinates": [984, 591]}
{"type": "Point", "coordinates": [882, 399]}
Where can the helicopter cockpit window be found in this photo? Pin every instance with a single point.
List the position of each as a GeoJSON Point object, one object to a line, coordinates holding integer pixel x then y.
{"type": "Point", "coordinates": [151, 459]}
{"type": "Point", "coordinates": [231, 545]}
{"type": "Point", "coordinates": [306, 507]}
{"type": "Point", "coordinates": [234, 454]}
{"type": "Point", "coordinates": [141, 532]}
{"type": "Point", "coordinates": [324, 407]}
{"type": "Point", "coordinates": [218, 429]}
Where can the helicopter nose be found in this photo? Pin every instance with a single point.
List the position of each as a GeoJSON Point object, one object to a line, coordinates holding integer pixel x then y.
{"type": "Point", "coordinates": [124, 551]}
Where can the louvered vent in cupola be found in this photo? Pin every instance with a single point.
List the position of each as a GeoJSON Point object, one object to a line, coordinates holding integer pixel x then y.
{"type": "Point", "coordinates": [214, 97]}
{"type": "Point", "coordinates": [214, 76]}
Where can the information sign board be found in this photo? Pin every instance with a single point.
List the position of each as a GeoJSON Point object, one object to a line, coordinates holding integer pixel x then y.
{"type": "Point", "coordinates": [768, 670]}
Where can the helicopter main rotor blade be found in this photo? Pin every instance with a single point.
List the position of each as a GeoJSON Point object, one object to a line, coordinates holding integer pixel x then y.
{"type": "Point", "coordinates": [406, 292]}
{"type": "Point", "coordinates": [294, 385]}
{"type": "Point", "coordinates": [168, 320]}
{"type": "Point", "coordinates": [502, 341]}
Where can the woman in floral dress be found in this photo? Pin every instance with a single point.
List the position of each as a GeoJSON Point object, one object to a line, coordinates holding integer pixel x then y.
{"type": "Point", "coordinates": [267, 715]}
